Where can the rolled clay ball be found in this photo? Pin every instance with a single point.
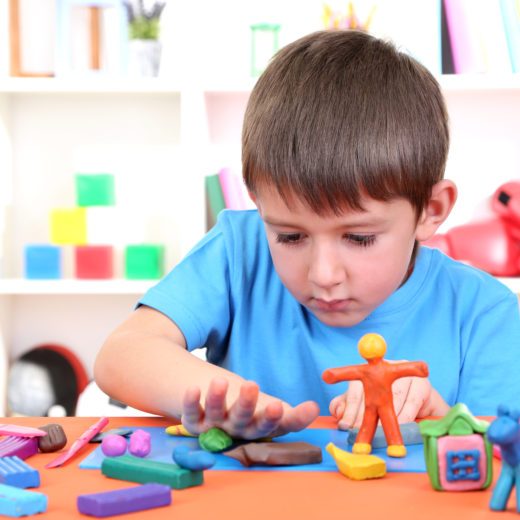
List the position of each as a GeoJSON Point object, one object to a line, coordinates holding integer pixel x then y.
{"type": "Point", "coordinates": [54, 440]}
{"type": "Point", "coordinates": [113, 445]}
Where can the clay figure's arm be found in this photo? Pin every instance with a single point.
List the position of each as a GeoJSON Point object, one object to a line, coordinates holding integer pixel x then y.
{"type": "Point", "coordinates": [337, 375]}
{"type": "Point", "coordinates": [408, 368]}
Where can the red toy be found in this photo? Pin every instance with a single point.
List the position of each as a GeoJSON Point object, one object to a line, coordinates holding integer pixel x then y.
{"type": "Point", "coordinates": [377, 378]}
{"type": "Point", "coordinates": [491, 244]}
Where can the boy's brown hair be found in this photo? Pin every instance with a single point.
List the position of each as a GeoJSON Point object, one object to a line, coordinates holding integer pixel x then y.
{"type": "Point", "coordinates": [341, 114]}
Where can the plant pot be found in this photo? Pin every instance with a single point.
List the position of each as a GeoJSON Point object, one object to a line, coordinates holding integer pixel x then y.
{"type": "Point", "coordinates": [144, 57]}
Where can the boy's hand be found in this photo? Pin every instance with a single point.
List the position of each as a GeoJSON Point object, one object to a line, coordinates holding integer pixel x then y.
{"type": "Point", "coordinates": [414, 398]}
{"type": "Point", "coordinates": [244, 418]}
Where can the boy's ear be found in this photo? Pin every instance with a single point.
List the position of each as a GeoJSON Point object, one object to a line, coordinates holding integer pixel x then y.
{"type": "Point", "coordinates": [442, 200]}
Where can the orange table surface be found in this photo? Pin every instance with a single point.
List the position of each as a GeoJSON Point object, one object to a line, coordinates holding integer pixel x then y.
{"type": "Point", "coordinates": [261, 495]}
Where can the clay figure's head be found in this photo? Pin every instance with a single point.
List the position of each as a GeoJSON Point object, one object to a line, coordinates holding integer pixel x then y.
{"type": "Point", "coordinates": [372, 346]}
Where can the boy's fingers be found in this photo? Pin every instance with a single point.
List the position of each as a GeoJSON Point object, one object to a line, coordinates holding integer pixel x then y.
{"type": "Point", "coordinates": [269, 419]}
{"type": "Point", "coordinates": [215, 403]}
{"type": "Point", "coordinates": [400, 392]}
{"type": "Point", "coordinates": [337, 406]}
{"type": "Point", "coordinates": [353, 403]}
{"type": "Point", "coordinates": [299, 417]}
{"type": "Point", "coordinates": [417, 394]}
{"type": "Point", "coordinates": [192, 412]}
{"type": "Point", "coordinates": [243, 410]}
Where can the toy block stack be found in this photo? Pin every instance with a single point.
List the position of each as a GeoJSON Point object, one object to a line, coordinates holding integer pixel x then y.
{"type": "Point", "coordinates": [91, 228]}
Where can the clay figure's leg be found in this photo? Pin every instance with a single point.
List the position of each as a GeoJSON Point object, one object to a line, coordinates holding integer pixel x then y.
{"type": "Point", "coordinates": [393, 436]}
{"type": "Point", "coordinates": [503, 488]}
{"type": "Point", "coordinates": [363, 444]}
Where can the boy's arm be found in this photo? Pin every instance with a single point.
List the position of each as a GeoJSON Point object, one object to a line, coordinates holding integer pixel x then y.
{"type": "Point", "coordinates": [144, 363]}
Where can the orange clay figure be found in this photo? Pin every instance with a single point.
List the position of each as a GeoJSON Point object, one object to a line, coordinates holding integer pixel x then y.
{"type": "Point", "coordinates": [377, 378]}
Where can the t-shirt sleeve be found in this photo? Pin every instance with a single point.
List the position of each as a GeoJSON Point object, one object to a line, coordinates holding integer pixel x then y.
{"type": "Point", "coordinates": [196, 293]}
{"type": "Point", "coordinates": [491, 364]}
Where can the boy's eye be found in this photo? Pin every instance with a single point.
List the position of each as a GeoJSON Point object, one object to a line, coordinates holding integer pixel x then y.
{"type": "Point", "coordinates": [288, 238]}
{"type": "Point", "coordinates": [361, 240]}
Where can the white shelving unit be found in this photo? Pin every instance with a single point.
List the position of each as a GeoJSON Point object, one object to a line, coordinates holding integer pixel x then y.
{"type": "Point", "coordinates": [161, 136]}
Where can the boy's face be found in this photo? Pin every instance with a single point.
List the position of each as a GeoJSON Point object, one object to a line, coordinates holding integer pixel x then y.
{"type": "Point", "coordinates": [339, 267]}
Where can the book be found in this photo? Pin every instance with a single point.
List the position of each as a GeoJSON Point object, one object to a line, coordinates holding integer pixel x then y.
{"type": "Point", "coordinates": [214, 199]}
{"type": "Point", "coordinates": [447, 54]}
{"type": "Point", "coordinates": [465, 46]}
{"type": "Point", "coordinates": [477, 36]}
{"type": "Point", "coordinates": [511, 18]}
{"type": "Point", "coordinates": [233, 189]}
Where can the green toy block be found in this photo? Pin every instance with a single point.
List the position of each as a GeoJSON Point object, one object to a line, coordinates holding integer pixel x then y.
{"type": "Point", "coordinates": [95, 189]}
{"type": "Point", "coordinates": [68, 226]}
{"type": "Point", "coordinates": [135, 469]}
{"type": "Point", "coordinates": [144, 261]}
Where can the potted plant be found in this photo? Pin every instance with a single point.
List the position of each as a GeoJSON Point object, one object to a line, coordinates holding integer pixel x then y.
{"type": "Point", "coordinates": [143, 32]}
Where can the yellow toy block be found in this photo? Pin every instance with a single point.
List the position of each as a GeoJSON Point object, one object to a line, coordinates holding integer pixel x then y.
{"type": "Point", "coordinates": [357, 467]}
{"type": "Point", "coordinates": [69, 226]}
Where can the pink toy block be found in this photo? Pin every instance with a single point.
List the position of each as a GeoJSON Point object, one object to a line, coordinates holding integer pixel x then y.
{"type": "Point", "coordinates": [94, 262]}
{"type": "Point", "coordinates": [458, 444]}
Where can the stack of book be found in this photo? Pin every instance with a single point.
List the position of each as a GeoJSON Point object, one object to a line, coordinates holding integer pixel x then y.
{"type": "Point", "coordinates": [224, 190]}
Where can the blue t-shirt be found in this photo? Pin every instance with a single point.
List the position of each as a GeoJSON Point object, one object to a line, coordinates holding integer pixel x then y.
{"type": "Point", "coordinates": [226, 295]}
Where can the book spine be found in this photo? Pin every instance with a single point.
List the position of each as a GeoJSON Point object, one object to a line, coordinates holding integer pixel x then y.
{"type": "Point", "coordinates": [232, 189]}
{"type": "Point", "coordinates": [215, 196]}
{"type": "Point", "coordinates": [511, 20]}
{"type": "Point", "coordinates": [466, 49]}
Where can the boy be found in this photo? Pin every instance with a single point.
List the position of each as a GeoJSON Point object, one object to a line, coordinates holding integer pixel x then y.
{"type": "Point", "coordinates": [345, 142]}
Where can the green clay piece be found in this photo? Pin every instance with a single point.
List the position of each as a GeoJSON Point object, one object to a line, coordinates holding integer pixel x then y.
{"type": "Point", "coordinates": [135, 469]}
{"type": "Point", "coordinates": [215, 440]}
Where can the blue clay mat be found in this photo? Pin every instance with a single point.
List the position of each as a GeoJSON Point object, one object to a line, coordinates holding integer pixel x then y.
{"type": "Point", "coordinates": [163, 444]}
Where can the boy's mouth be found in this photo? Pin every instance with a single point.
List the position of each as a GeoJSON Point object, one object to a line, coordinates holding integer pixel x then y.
{"type": "Point", "coordinates": [330, 305]}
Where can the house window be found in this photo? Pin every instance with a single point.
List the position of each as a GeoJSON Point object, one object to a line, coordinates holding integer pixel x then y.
{"type": "Point", "coordinates": [462, 465]}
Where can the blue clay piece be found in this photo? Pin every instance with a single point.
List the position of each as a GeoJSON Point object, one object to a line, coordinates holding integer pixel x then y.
{"type": "Point", "coordinates": [409, 431]}
{"type": "Point", "coordinates": [194, 460]}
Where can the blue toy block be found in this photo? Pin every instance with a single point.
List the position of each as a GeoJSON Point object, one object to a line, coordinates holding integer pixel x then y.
{"type": "Point", "coordinates": [15, 472]}
{"type": "Point", "coordinates": [17, 502]}
{"type": "Point", "coordinates": [42, 262]}
{"type": "Point", "coordinates": [127, 500]}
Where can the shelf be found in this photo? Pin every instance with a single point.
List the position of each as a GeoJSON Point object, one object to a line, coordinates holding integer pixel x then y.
{"type": "Point", "coordinates": [20, 286]}
{"type": "Point", "coordinates": [88, 85]}
{"type": "Point", "coordinates": [104, 85]}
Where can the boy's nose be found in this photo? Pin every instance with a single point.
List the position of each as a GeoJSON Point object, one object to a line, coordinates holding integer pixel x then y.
{"type": "Point", "coordinates": [325, 269]}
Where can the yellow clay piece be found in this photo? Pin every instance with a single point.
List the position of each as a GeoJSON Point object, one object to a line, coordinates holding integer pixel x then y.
{"type": "Point", "coordinates": [361, 448]}
{"type": "Point", "coordinates": [357, 467]}
{"type": "Point", "coordinates": [396, 450]}
{"type": "Point", "coordinates": [178, 429]}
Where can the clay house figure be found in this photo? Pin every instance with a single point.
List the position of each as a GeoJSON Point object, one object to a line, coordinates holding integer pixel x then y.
{"type": "Point", "coordinates": [457, 453]}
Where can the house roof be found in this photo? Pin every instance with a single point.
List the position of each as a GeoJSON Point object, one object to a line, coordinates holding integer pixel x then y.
{"type": "Point", "coordinates": [458, 421]}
